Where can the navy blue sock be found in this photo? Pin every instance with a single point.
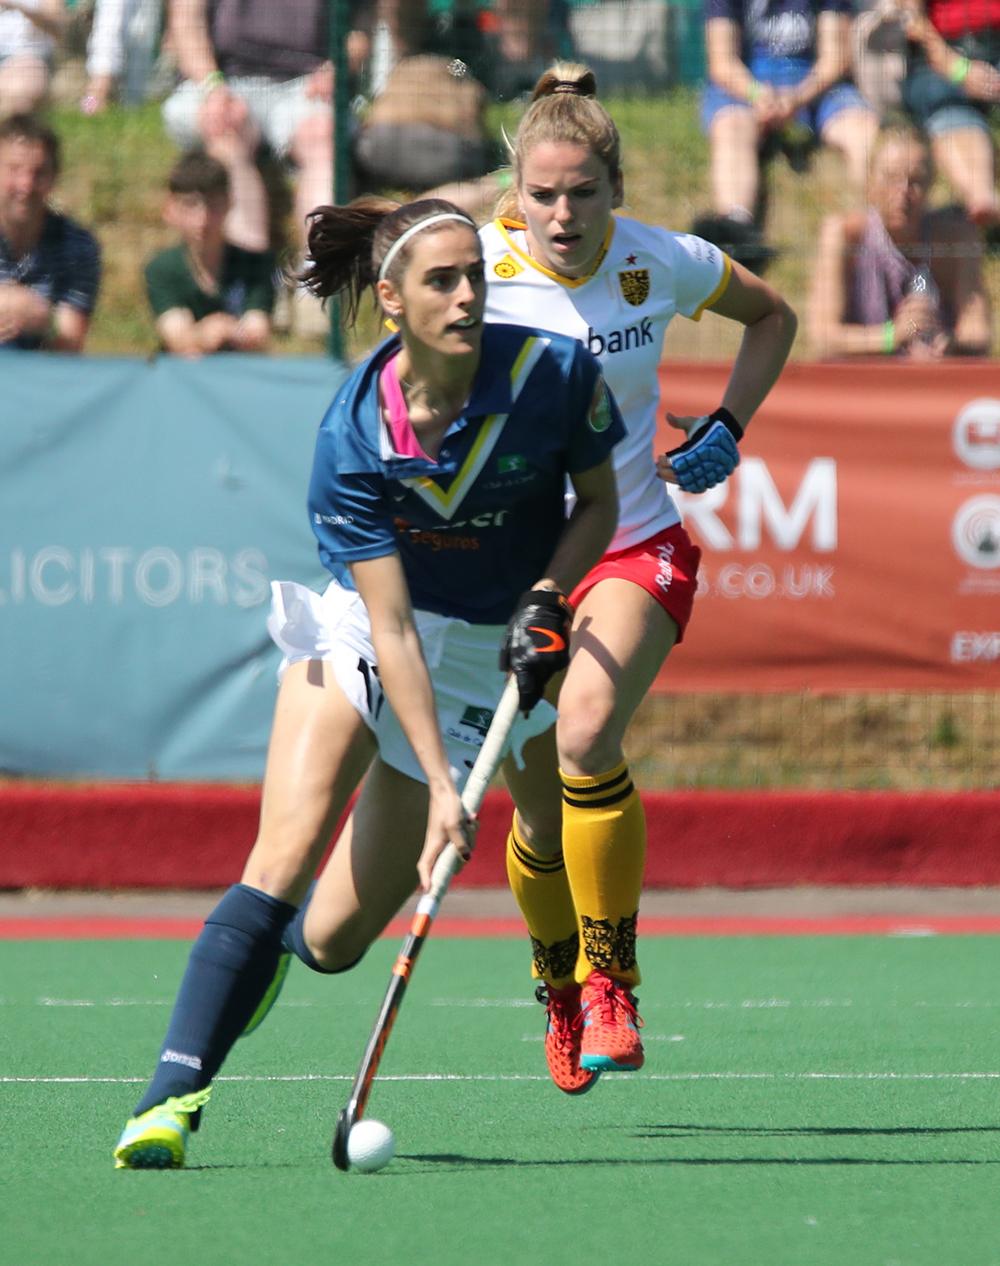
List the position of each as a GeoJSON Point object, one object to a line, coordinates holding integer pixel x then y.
{"type": "Point", "coordinates": [230, 966]}
{"type": "Point", "coordinates": [294, 940]}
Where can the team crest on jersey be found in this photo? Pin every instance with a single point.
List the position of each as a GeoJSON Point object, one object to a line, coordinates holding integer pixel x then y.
{"type": "Point", "coordinates": [600, 411]}
{"type": "Point", "coordinates": [510, 463]}
{"type": "Point", "coordinates": [635, 285]}
{"type": "Point", "coordinates": [507, 267]}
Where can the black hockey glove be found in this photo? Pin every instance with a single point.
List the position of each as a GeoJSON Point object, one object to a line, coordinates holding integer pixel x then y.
{"type": "Point", "coordinates": [536, 644]}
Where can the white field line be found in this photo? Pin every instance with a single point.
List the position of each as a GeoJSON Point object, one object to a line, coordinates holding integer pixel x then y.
{"type": "Point", "coordinates": [738, 1004]}
{"type": "Point", "coordinates": [141, 1002]}
{"type": "Point", "coordinates": [499, 1077]}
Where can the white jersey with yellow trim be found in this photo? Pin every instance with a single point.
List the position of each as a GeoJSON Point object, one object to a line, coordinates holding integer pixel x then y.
{"type": "Point", "coordinates": [620, 311]}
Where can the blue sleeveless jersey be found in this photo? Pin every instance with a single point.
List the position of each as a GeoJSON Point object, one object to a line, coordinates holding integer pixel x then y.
{"type": "Point", "coordinates": [477, 527]}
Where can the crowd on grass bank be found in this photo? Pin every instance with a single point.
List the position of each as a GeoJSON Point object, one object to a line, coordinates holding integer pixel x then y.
{"type": "Point", "coordinates": [903, 91]}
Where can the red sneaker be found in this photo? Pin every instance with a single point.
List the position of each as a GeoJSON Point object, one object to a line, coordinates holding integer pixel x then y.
{"type": "Point", "coordinates": [610, 1037]}
{"type": "Point", "coordinates": [562, 1038]}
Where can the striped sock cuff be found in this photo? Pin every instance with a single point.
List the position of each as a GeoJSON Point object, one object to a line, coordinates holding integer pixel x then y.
{"type": "Point", "coordinates": [531, 861]}
{"type": "Point", "coordinates": [599, 791]}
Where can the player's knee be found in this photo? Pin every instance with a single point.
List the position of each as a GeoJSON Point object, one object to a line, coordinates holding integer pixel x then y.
{"type": "Point", "coordinates": [334, 959]}
{"type": "Point", "coordinates": [340, 944]}
{"type": "Point", "coordinates": [282, 863]}
{"type": "Point", "coordinates": [587, 735]}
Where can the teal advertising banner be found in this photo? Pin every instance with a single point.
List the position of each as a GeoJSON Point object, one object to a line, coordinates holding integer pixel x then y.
{"type": "Point", "coordinates": [144, 509]}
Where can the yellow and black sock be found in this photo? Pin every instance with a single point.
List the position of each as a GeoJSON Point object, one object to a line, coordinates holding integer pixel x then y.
{"type": "Point", "coordinates": [604, 845]}
{"type": "Point", "coordinates": [541, 889]}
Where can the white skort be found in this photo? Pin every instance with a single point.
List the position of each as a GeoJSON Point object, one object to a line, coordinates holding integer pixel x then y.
{"type": "Point", "coordinates": [462, 659]}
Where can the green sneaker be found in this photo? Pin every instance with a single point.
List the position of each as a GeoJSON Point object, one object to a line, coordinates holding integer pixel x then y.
{"type": "Point", "coordinates": [270, 997]}
{"type": "Point", "coordinates": [157, 1139]}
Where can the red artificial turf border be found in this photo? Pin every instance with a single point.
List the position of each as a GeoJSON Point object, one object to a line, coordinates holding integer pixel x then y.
{"type": "Point", "coordinates": [124, 836]}
{"type": "Point", "coordinates": [105, 928]}
{"type": "Point", "coordinates": [193, 836]}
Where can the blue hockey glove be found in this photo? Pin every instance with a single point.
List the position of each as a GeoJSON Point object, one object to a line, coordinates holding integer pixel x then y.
{"type": "Point", "coordinates": [709, 454]}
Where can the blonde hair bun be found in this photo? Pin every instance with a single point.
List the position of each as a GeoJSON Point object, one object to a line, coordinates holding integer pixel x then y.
{"type": "Point", "coordinates": [568, 77]}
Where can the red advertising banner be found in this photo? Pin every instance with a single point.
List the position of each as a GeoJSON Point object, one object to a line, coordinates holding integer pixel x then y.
{"type": "Point", "coordinates": [857, 546]}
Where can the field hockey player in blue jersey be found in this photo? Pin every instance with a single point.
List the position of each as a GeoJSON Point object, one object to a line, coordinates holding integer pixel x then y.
{"type": "Point", "coordinates": [437, 499]}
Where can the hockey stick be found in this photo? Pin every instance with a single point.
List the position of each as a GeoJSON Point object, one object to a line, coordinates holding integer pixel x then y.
{"type": "Point", "coordinates": [445, 869]}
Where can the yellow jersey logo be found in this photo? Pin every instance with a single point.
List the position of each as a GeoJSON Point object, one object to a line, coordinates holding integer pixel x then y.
{"type": "Point", "coordinates": [635, 286]}
{"type": "Point", "coordinates": [507, 267]}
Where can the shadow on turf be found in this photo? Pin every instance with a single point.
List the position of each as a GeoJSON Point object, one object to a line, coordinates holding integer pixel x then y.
{"type": "Point", "coordinates": [455, 1160]}
{"type": "Point", "coordinates": [806, 1131]}
{"type": "Point", "coordinates": [462, 1161]}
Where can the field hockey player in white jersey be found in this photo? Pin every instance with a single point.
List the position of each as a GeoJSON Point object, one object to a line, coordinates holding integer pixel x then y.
{"type": "Point", "coordinates": [437, 501]}
{"type": "Point", "coordinates": [558, 258]}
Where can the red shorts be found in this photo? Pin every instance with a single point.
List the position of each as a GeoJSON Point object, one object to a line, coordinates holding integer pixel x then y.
{"type": "Point", "coordinates": [665, 565]}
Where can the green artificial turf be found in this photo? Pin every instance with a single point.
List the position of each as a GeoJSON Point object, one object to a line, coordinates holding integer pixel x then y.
{"type": "Point", "coordinates": [805, 1102]}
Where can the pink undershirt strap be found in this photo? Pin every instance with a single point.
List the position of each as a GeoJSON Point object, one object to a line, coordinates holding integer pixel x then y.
{"type": "Point", "coordinates": [404, 439]}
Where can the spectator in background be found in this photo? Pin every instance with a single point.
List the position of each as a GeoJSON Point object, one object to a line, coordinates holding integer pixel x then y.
{"type": "Point", "coordinates": [527, 35]}
{"type": "Point", "coordinates": [952, 81]}
{"type": "Point", "coordinates": [258, 71]}
{"type": "Point", "coordinates": [506, 43]}
{"type": "Point", "coordinates": [778, 77]}
{"type": "Point", "coordinates": [427, 130]}
{"type": "Point", "coordinates": [49, 264]}
{"type": "Point", "coordinates": [879, 59]}
{"type": "Point", "coordinates": [254, 70]}
{"type": "Point", "coordinates": [210, 293]}
{"type": "Point", "coordinates": [899, 277]}
{"type": "Point", "coordinates": [430, 76]}
{"type": "Point", "coordinates": [120, 50]}
{"type": "Point", "coordinates": [426, 126]}
{"type": "Point", "coordinates": [30, 31]}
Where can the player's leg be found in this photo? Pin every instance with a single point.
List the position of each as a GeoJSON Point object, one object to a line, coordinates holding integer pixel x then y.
{"type": "Point", "coordinates": [622, 637]}
{"type": "Point", "coordinates": [370, 874]}
{"type": "Point", "coordinates": [318, 751]}
{"type": "Point", "coordinates": [536, 872]}
{"type": "Point", "coordinates": [320, 748]}
{"type": "Point", "coordinates": [372, 870]}
{"type": "Point", "coordinates": [535, 866]}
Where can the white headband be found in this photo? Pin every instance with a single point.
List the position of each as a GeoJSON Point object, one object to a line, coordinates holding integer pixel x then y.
{"type": "Point", "coordinates": [403, 238]}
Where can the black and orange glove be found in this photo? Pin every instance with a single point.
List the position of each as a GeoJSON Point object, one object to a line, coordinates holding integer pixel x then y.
{"type": "Point", "coordinates": [536, 643]}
